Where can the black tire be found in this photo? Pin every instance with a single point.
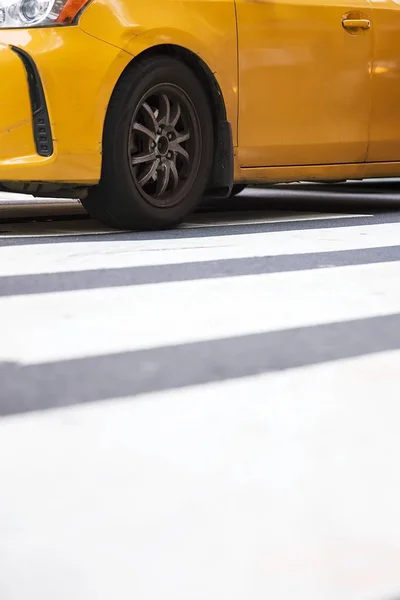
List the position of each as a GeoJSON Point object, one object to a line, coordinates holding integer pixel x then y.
{"type": "Point", "coordinates": [238, 189]}
{"type": "Point", "coordinates": [121, 199]}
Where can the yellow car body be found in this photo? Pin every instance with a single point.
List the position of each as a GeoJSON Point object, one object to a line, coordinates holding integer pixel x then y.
{"type": "Point", "coordinates": [311, 89]}
{"type": "Point", "coordinates": [80, 66]}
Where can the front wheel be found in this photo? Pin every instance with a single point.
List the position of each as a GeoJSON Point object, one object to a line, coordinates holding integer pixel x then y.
{"type": "Point", "coordinates": [157, 148]}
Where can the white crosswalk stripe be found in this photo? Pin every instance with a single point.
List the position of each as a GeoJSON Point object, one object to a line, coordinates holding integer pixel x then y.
{"type": "Point", "coordinates": [200, 414]}
{"type": "Point", "coordinates": [140, 320]}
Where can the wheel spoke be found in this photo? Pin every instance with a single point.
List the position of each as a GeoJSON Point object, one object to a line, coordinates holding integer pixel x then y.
{"type": "Point", "coordinates": [144, 130]}
{"type": "Point", "coordinates": [183, 137]}
{"type": "Point", "coordinates": [179, 150]}
{"type": "Point", "coordinates": [174, 174]}
{"type": "Point", "coordinates": [149, 172]}
{"type": "Point", "coordinates": [151, 114]}
{"type": "Point", "coordinates": [163, 178]}
{"type": "Point", "coordinates": [176, 145]}
{"type": "Point", "coordinates": [176, 115]}
{"type": "Point", "coordinates": [143, 158]}
{"type": "Point", "coordinates": [165, 110]}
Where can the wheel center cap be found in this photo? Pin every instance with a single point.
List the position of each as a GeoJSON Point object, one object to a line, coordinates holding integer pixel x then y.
{"type": "Point", "coordinates": [163, 145]}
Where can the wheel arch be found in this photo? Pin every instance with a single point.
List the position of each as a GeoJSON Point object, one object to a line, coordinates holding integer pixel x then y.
{"type": "Point", "coordinates": [221, 178]}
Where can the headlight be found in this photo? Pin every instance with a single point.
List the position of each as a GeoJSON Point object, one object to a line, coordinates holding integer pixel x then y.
{"type": "Point", "coordinates": [38, 13]}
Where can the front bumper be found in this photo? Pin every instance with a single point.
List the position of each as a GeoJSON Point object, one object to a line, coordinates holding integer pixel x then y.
{"type": "Point", "coordinates": [77, 74]}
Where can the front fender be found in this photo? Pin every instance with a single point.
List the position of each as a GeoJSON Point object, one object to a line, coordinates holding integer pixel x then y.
{"type": "Point", "coordinates": [206, 28]}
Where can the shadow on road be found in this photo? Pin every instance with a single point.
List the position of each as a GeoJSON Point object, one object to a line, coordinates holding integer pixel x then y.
{"type": "Point", "coordinates": [349, 197]}
{"type": "Point", "coordinates": [274, 208]}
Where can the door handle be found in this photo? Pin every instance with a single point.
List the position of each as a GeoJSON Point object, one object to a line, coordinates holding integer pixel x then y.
{"type": "Point", "coordinates": [356, 23]}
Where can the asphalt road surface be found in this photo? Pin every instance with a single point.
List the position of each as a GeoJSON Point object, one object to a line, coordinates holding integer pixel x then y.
{"type": "Point", "coordinates": [210, 413]}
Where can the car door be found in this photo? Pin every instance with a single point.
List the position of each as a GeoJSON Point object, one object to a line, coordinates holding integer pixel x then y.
{"type": "Point", "coordinates": [384, 142]}
{"type": "Point", "coordinates": [304, 81]}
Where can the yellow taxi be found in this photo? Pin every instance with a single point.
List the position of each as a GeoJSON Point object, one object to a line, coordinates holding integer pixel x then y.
{"type": "Point", "coordinates": [141, 108]}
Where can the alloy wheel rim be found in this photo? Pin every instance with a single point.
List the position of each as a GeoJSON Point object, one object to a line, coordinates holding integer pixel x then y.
{"type": "Point", "coordinates": [163, 149]}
